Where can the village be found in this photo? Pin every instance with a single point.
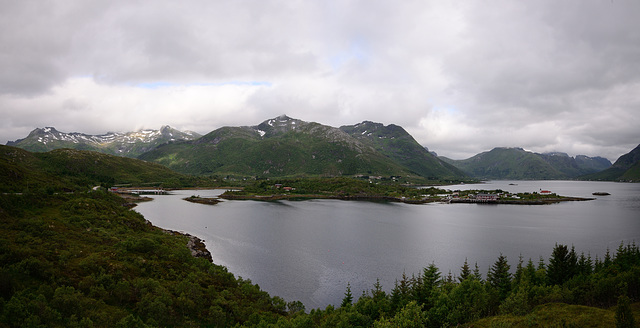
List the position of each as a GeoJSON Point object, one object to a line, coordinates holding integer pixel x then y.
{"type": "Point", "coordinates": [494, 195]}
{"type": "Point", "coordinates": [288, 190]}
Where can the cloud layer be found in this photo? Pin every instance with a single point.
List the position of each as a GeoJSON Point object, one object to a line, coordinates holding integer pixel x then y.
{"type": "Point", "coordinates": [461, 76]}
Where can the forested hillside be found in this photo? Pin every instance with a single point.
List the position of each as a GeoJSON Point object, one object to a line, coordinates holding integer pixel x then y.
{"type": "Point", "coordinates": [85, 260]}
{"type": "Point", "coordinates": [73, 170]}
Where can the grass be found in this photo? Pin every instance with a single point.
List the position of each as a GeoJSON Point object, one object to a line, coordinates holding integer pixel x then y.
{"type": "Point", "coordinates": [557, 315]}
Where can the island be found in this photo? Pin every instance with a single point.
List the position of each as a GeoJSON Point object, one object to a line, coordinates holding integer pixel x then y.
{"type": "Point", "coordinates": [369, 190]}
{"type": "Point", "coordinates": [202, 200]}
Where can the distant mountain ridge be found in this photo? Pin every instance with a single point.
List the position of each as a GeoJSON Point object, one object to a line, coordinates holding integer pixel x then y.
{"type": "Point", "coordinates": [284, 146]}
{"type": "Point", "coordinates": [128, 144]}
{"type": "Point", "coordinates": [626, 168]}
{"type": "Point", "coordinates": [519, 164]}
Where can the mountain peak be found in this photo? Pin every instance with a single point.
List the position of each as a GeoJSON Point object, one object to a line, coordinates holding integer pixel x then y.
{"type": "Point", "coordinates": [129, 144]}
{"type": "Point", "coordinates": [556, 153]}
{"type": "Point", "coordinates": [278, 125]}
{"type": "Point", "coordinates": [46, 129]}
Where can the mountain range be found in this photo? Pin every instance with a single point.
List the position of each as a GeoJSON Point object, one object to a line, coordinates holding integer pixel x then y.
{"type": "Point", "coordinates": [288, 147]}
{"type": "Point", "coordinates": [284, 146]}
{"type": "Point", "coordinates": [129, 144]}
{"type": "Point", "coordinates": [518, 164]}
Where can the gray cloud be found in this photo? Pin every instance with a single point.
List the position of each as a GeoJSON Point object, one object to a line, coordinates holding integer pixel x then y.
{"type": "Point", "coordinates": [462, 77]}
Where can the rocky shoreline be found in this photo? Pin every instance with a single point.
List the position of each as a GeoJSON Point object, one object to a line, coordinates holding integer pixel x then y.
{"type": "Point", "coordinates": [542, 201]}
{"type": "Point", "coordinates": [133, 200]}
{"type": "Point", "coordinates": [195, 245]}
{"type": "Point", "coordinates": [202, 200]}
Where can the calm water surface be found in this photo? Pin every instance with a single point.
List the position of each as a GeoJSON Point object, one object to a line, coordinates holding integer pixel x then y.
{"type": "Point", "coordinates": [310, 250]}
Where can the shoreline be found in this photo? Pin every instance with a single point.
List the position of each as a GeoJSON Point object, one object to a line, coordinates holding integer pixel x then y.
{"type": "Point", "coordinates": [276, 197]}
{"type": "Point", "coordinates": [542, 201]}
{"type": "Point", "coordinates": [202, 200]}
{"type": "Point", "coordinates": [195, 244]}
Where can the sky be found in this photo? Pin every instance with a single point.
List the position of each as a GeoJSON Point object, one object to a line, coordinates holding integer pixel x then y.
{"type": "Point", "coordinates": [462, 77]}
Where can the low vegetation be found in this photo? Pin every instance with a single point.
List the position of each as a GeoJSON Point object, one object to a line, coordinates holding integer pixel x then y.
{"type": "Point", "coordinates": [345, 188]}
{"type": "Point", "coordinates": [83, 259]}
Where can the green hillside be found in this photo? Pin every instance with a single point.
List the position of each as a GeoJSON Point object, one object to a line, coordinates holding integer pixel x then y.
{"type": "Point", "coordinates": [508, 163]}
{"type": "Point", "coordinates": [592, 164]}
{"type": "Point", "coordinates": [69, 169]}
{"type": "Point", "coordinates": [85, 260]}
{"type": "Point", "coordinates": [276, 148]}
{"type": "Point", "coordinates": [573, 167]}
{"type": "Point", "coordinates": [394, 142]}
{"type": "Point", "coordinates": [626, 168]}
{"type": "Point", "coordinates": [518, 164]}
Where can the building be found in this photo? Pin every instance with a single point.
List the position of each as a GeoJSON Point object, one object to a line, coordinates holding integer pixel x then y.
{"type": "Point", "coordinates": [486, 197]}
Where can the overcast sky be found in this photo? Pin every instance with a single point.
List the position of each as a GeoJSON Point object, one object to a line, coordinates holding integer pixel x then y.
{"type": "Point", "coordinates": [461, 76]}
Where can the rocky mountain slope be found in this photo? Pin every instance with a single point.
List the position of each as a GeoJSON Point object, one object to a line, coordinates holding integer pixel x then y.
{"type": "Point", "coordinates": [129, 144]}
{"type": "Point", "coordinates": [394, 142]}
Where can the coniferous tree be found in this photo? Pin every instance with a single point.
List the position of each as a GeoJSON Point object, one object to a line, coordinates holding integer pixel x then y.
{"type": "Point", "coordinates": [476, 272]}
{"type": "Point", "coordinates": [517, 278]}
{"type": "Point", "coordinates": [348, 297]}
{"type": "Point", "coordinates": [499, 277]}
{"type": "Point", "coordinates": [626, 256]}
{"type": "Point", "coordinates": [563, 265]}
{"type": "Point", "coordinates": [607, 259]}
{"type": "Point", "coordinates": [401, 293]}
{"type": "Point", "coordinates": [585, 265]}
{"type": "Point", "coordinates": [529, 273]}
{"type": "Point", "coordinates": [465, 272]}
{"type": "Point", "coordinates": [429, 282]}
{"type": "Point", "coordinates": [377, 289]}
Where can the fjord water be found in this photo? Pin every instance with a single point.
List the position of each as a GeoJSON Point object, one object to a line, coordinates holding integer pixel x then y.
{"type": "Point", "coordinates": [309, 250]}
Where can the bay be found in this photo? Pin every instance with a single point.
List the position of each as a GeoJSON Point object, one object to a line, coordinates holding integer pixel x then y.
{"type": "Point", "coordinates": [309, 250]}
